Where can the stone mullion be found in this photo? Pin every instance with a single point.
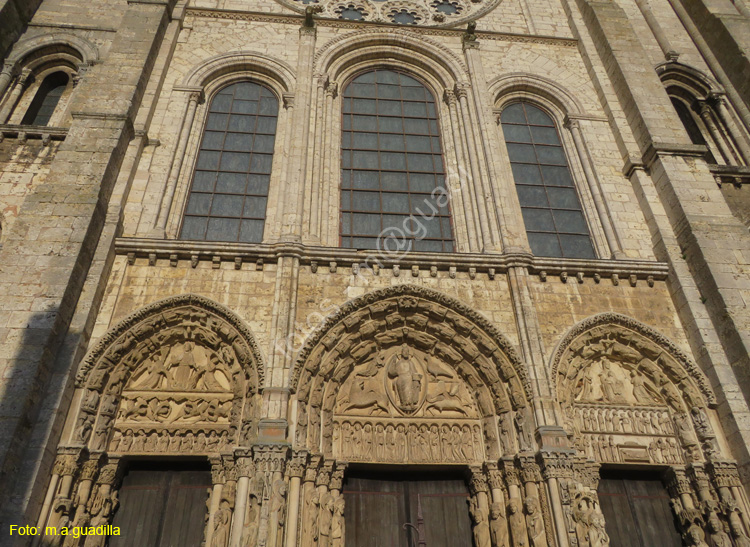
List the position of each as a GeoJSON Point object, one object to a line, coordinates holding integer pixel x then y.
{"type": "Point", "coordinates": [276, 193]}
{"type": "Point", "coordinates": [292, 209]}
{"type": "Point", "coordinates": [468, 205]}
{"type": "Point", "coordinates": [499, 190]}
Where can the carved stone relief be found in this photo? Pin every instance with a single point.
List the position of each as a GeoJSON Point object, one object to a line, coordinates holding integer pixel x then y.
{"type": "Point", "coordinates": [180, 376]}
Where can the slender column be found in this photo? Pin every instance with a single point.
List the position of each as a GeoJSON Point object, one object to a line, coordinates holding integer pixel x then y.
{"type": "Point", "coordinates": [195, 97]}
{"type": "Point", "coordinates": [555, 467]}
{"type": "Point", "coordinates": [661, 38]}
{"type": "Point", "coordinates": [610, 231]}
{"type": "Point", "coordinates": [327, 157]}
{"type": "Point", "coordinates": [15, 94]}
{"type": "Point", "coordinates": [741, 137]}
{"type": "Point", "coordinates": [717, 135]}
{"type": "Point", "coordinates": [482, 196]}
{"type": "Point", "coordinates": [293, 211]}
{"type": "Point", "coordinates": [473, 231]}
{"type": "Point", "coordinates": [742, 7]}
{"type": "Point", "coordinates": [244, 469]}
{"type": "Point", "coordinates": [217, 478]}
{"type": "Point", "coordinates": [296, 469]}
{"type": "Point", "coordinates": [6, 75]}
{"type": "Point", "coordinates": [314, 174]}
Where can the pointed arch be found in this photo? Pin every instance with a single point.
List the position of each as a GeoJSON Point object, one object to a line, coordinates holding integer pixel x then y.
{"type": "Point", "coordinates": [181, 375]}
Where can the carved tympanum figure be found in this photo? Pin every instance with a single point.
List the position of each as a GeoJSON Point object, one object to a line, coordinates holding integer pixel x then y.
{"type": "Point", "coordinates": [407, 381]}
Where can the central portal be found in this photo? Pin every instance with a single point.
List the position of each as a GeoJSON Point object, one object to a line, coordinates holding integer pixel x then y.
{"type": "Point", "coordinates": [397, 510]}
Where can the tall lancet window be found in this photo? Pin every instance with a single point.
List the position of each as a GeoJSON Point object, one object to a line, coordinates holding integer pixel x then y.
{"type": "Point", "coordinates": [552, 214]}
{"type": "Point", "coordinates": [393, 193]}
{"type": "Point", "coordinates": [228, 196]}
{"type": "Point", "coordinates": [45, 101]}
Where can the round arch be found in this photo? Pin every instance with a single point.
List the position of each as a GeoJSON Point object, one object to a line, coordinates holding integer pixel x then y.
{"type": "Point", "coordinates": [413, 360]}
{"type": "Point", "coordinates": [273, 71]}
{"type": "Point", "coordinates": [349, 53]}
{"type": "Point", "coordinates": [693, 82]}
{"type": "Point", "coordinates": [531, 86]}
{"type": "Point", "coordinates": [59, 42]}
{"type": "Point", "coordinates": [182, 375]}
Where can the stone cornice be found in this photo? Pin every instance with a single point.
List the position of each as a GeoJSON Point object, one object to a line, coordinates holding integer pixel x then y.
{"type": "Point", "coordinates": [280, 18]}
{"type": "Point", "coordinates": [194, 252]}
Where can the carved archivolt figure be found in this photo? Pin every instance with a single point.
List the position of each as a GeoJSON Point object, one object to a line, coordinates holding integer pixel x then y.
{"type": "Point", "coordinates": [535, 523]}
{"type": "Point", "coordinates": [517, 523]}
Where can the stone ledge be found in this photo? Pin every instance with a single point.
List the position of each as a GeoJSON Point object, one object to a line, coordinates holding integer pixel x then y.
{"type": "Point", "coordinates": [35, 132]}
{"type": "Point", "coordinates": [408, 264]}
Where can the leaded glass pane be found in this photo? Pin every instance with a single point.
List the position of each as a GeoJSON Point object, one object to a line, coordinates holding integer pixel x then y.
{"type": "Point", "coordinates": [228, 196]}
{"type": "Point", "coordinates": [552, 213]}
{"type": "Point", "coordinates": [391, 161]}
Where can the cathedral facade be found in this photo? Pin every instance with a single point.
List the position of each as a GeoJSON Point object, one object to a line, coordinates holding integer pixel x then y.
{"type": "Point", "coordinates": [375, 272]}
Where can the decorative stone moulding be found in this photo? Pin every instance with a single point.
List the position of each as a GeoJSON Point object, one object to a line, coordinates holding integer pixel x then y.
{"type": "Point", "coordinates": [431, 13]}
{"type": "Point", "coordinates": [249, 256]}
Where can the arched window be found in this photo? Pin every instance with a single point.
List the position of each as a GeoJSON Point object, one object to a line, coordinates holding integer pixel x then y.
{"type": "Point", "coordinates": [552, 214]}
{"type": "Point", "coordinates": [691, 126]}
{"type": "Point", "coordinates": [45, 101]}
{"type": "Point", "coordinates": [392, 174]}
{"type": "Point", "coordinates": [227, 200]}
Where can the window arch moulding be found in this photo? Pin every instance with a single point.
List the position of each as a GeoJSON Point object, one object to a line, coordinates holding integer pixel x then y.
{"type": "Point", "coordinates": [197, 91]}
{"type": "Point", "coordinates": [569, 117]}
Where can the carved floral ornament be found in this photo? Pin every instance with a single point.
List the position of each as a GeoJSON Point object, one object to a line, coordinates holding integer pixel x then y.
{"type": "Point", "coordinates": [180, 376]}
{"type": "Point", "coordinates": [630, 396]}
{"type": "Point", "coordinates": [434, 13]}
{"type": "Point", "coordinates": [408, 374]}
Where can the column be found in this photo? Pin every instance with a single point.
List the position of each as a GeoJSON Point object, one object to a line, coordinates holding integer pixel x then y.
{"type": "Point", "coordinates": [296, 469]}
{"type": "Point", "coordinates": [217, 479]}
{"type": "Point", "coordinates": [610, 230]}
{"type": "Point", "coordinates": [740, 135]}
{"type": "Point", "coordinates": [15, 94]}
{"type": "Point", "coordinates": [63, 471]}
{"type": "Point", "coordinates": [557, 467]}
{"type": "Point", "coordinates": [498, 519]}
{"type": "Point", "coordinates": [6, 75]}
{"type": "Point", "coordinates": [244, 470]}
{"type": "Point", "coordinates": [479, 507]}
{"type": "Point", "coordinates": [195, 97]}
{"type": "Point", "coordinates": [661, 38]}
{"type": "Point", "coordinates": [717, 135]}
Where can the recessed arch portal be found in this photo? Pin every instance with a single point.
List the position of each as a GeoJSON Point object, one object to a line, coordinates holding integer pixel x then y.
{"type": "Point", "coordinates": [180, 376]}
{"type": "Point", "coordinates": [406, 367]}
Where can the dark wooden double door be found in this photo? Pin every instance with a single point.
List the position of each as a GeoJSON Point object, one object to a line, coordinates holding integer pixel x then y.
{"type": "Point", "coordinates": [637, 511]}
{"type": "Point", "coordinates": [378, 507]}
{"type": "Point", "coordinates": [162, 506]}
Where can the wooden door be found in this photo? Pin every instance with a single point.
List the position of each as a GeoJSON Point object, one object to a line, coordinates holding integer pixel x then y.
{"type": "Point", "coordinates": [162, 506]}
{"type": "Point", "coordinates": [637, 511]}
{"type": "Point", "coordinates": [377, 508]}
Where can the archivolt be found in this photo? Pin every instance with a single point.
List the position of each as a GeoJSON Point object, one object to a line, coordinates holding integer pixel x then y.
{"type": "Point", "coordinates": [345, 50]}
{"type": "Point", "coordinates": [239, 61]}
{"type": "Point", "coordinates": [642, 341]}
{"type": "Point", "coordinates": [131, 333]}
{"type": "Point", "coordinates": [536, 85]}
{"type": "Point", "coordinates": [65, 41]}
{"type": "Point", "coordinates": [430, 320]}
